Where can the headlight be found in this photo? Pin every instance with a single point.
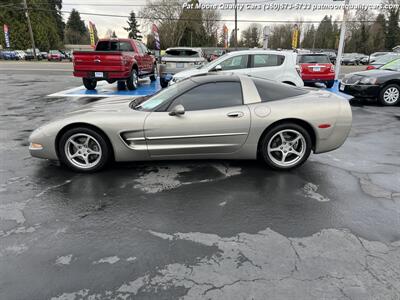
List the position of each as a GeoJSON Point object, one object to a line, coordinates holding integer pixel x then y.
{"type": "Point", "coordinates": [368, 80]}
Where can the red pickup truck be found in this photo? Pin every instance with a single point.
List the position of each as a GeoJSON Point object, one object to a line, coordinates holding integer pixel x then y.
{"type": "Point", "coordinates": [122, 60]}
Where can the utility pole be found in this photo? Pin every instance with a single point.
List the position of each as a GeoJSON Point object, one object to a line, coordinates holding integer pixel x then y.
{"type": "Point", "coordinates": [236, 43]}
{"type": "Point", "coordinates": [341, 41]}
{"type": "Point", "coordinates": [30, 28]}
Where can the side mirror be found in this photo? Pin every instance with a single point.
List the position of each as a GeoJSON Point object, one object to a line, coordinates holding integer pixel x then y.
{"type": "Point", "coordinates": [217, 68]}
{"type": "Point", "coordinates": [177, 110]}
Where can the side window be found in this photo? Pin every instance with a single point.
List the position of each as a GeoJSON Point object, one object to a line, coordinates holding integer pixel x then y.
{"type": "Point", "coordinates": [267, 60]}
{"type": "Point", "coordinates": [139, 48]}
{"type": "Point", "coordinates": [127, 47]}
{"type": "Point", "coordinates": [211, 96]}
{"type": "Point", "coordinates": [235, 63]}
{"type": "Point", "coordinates": [144, 48]}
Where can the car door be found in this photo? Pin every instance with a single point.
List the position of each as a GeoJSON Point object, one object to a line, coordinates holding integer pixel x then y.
{"type": "Point", "coordinates": [215, 121]}
{"type": "Point", "coordinates": [266, 66]}
{"type": "Point", "coordinates": [147, 58]}
{"type": "Point", "coordinates": [235, 64]}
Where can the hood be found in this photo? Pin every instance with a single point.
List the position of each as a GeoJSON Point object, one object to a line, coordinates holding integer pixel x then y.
{"type": "Point", "coordinates": [117, 104]}
{"type": "Point", "coordinates": [190, 73]}
{"type": "Point", "coordinates": [372, 73]}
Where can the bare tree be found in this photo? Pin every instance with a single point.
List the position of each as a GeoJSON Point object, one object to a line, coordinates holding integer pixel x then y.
{"type": "Point", "coordinates": [165, 14]}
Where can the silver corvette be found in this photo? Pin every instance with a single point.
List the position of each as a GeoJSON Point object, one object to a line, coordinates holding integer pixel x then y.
{"type": "Point", "coordinates": [205, 117]}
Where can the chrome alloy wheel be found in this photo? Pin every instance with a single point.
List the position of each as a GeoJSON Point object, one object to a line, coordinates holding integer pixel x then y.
{"type": "Point", "coordinates": [135, 79]}
{"type": "Point", "coordinates": [287, 147]}
{"type": "Point", "coordinates": [83, 150]}
{"type": "Point", "coordinates": [391, 95]}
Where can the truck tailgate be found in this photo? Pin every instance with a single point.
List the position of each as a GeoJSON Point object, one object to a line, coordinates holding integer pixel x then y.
{"type": "Point", "coordinates": [107, 61]}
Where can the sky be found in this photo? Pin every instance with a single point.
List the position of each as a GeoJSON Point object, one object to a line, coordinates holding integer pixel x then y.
{"type": "Point", "coordinates": [123, 7]}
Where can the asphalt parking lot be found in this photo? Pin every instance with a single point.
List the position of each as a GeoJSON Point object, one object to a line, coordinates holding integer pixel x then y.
{"type": "Point", "coordinates": [195, 229]}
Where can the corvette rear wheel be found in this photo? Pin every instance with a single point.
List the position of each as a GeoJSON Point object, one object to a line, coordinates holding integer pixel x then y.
{"type": "Point", "coordinates": [286, 146]}
{"type": "Point", "coordinates": [390, 95]}
{"type": "Point", "coordinates": [84, 150]}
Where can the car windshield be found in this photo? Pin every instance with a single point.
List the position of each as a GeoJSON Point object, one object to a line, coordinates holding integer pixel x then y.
{"type": "Point", "coordinates": [387, 58]}
{"type": "Point", "coordinates": [392, 66]}
{"type": "Point", "coordinates": [182, 52]}
{"type": "Point", "coordinates": [158, 98]}
{"type": "Point", "coordinates": [310, 59]}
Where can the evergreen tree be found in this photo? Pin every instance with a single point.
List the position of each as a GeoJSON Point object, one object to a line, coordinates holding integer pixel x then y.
{"type": "Point", "coordinates": [393, 29]}
{"type": "Point", "coordinates": [133, 27]}
{"type": "Point", "coordinates": [377, 39]}
{"type": "Point", "coordinates": [75, 30]}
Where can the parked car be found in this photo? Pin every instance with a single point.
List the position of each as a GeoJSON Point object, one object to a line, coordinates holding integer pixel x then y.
{"type": "Point", "coordinates": [267, 64]}
{"type": "Point", "coordinates": [29, 55]}
{"type": "Point", "coordinates": [37, 51]}
{"type": "Point", "coordinates": [9, 55]}
{"type": "Point", "coordinates": [54, 55]}
{"type": "Point", "coordinates": [20, 55]}
{"type": "Point", "coordinates": [66, 54]}
{"type": "Point", "coordinates": [331, 55]}
{"type": "Point", "coordinates": [178, 59]}
{"type": "Point", "coordinates": [350, 59]}
{"type": "Point", "coordinates": [383, 60]}
{"type": "Point", "coordinates": [44, 55]}
{"type": "Point", "coordinates": [204, 117]}
{"type": "Point", "coordinates": [382, 84]}
{"type": "Point", "coordinates": [372, 57]}
{"type": "Point", "coordinates": [316, 67]}
{"type": "Point", "coordinates": [122, 60]}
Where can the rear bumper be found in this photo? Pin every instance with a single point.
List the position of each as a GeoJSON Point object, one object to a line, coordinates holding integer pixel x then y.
{"type": "Point", "coordinates": [318, 78]}
{"type": "Point", "coordinates": [360, 91]}
{"type": "Point", "coordinates": [107, 75]}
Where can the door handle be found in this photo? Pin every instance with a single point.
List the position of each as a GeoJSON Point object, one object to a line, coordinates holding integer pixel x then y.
{"type": "Point", "coordinates": [236, 114]}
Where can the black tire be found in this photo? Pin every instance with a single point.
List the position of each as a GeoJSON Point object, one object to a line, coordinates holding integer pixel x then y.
{"type": "Point", "coordinates": [163, 83]}
{"type": "Point", "coordinates": [133, 81]}
{"type": "Point", "coordinates": [155, 73]}
{"type": "Point", "coordinates": [271, 138]}
{"type": "Point", "coordinates": [329, 84]}
{"type": "Point", "coordinates": [100, 161]}
{"type": "Point", "coordinates": [90, 84]}
{"type": "Point", "coordinates": [386, 100]}
{"type": "Point", "coordinates": [121, 85]}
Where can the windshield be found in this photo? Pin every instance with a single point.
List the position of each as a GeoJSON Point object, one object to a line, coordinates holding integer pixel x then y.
{"type": "Point", "coordinates": [313, 59]}
{"type": "Point", "coordinates": [392, 66]}
{"type": "Point", "coordinates": [158, 98]}
{"type": "Point", "coordinates": [386, 58]}
{"type": "Point", "coordinates": [215, 62]}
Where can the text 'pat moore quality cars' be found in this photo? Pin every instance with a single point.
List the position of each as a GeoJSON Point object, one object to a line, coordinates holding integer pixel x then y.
{"type": "Point", "coordinates": [204, 117]}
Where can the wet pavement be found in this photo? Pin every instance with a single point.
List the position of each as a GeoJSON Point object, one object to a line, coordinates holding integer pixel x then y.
{"type": "Point", "coordinates": [196, 229]}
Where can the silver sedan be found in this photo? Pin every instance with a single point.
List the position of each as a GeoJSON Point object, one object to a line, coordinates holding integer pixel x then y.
{"type": "Point", "coordinates": [205, 117]}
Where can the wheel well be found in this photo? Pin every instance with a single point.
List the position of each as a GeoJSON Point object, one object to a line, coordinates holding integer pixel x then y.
{"type": "Point", "coordinates": [393, 81]}
{"type": "Point", "coordinates": [75, 125]}
{"type": "Point", "coordinates": [289, 82]}
{"type": "Point", "coordinates": [299, 122]}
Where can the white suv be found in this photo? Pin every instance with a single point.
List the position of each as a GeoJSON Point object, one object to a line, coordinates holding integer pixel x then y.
{"type": "Point", "coordinates": [268, 64]}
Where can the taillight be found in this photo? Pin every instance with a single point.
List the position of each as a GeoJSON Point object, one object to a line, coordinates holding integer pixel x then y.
{"type": "Point", "coordinates": [370, 68]}
{"type": "Point", "coordinates": [332, 69]}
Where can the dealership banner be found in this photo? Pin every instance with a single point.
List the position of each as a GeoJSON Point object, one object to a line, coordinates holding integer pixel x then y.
{"type": "Point", "coordinates": [154, 30]}
{"type": "Point", "coordinates": [225, 29]}
{"type": "Point", "coordinates": [6, 35]}
{"type": "Point", "coordinates": [295, 37]}
{"type": "Point", "coordinates": [91, 32]}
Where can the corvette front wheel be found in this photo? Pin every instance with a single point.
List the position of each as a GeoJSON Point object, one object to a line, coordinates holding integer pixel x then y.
{"type": "Point", "coordinates": [286, 146]}
{"type": "Point", "coordinates": [84, 150]}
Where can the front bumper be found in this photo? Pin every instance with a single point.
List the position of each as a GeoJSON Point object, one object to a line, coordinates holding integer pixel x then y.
{"type": "Point", "coordinates": [360, 90]}
{"type": "Point", "coordinates": [107, 75]}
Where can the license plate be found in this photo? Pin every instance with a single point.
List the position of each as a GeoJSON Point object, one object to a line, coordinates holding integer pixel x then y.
{"type": "Point", "coordinates": [98, 74]}
{"type": "Point", "coordinates": [342, 87]}
{"type": "Point", "coordinates": [317, 69]}
{"type": "Point", "coordinates": [180, 65]}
